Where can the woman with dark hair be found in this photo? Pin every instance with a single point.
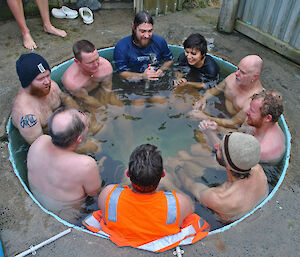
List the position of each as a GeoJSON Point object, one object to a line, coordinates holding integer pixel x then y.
{"type": "Point", "coordinates": [201, 69]}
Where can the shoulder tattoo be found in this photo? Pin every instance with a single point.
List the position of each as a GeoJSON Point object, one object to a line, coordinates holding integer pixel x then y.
{"type": "Point", "coordinates": [29, 120]}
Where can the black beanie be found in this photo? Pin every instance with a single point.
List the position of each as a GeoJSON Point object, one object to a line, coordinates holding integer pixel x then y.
{"type": "Point", "coordinates": [29, 66]}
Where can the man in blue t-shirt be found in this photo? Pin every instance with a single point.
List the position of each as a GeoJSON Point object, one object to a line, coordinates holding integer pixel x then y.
{"type": "Point", "coordinates": [139, 56]}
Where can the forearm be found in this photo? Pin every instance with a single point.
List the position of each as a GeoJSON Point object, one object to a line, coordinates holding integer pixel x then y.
{"type": "Point", "coordinates": [196, 84]}
{"type": "Point", "coordinates": [86, 98]}
{"type": "Point", "coordinates": [227, 123]}
{"type": "Point", "coordinates": [67, 100]}
{"type": "Point", "coordinates": [166, 65]}
{"type": "Point", "coordinates": [128, 75]}
{"type": "Point", "coordinates": [212, 137]}
{"type": "Point", "coordinates": [107, 83]}
{"type": "Point", "coordinates": [211, 92]}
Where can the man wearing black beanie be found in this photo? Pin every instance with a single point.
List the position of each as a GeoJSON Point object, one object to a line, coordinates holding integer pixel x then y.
{"type": "Point", "coordinates": [38, 97]}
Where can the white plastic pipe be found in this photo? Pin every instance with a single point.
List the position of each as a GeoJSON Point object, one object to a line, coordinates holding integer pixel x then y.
{"type": "Point", "coordinates": [33, 249]}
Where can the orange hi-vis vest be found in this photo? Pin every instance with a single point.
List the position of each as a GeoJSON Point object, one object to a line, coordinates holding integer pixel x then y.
{"type": "Point", "coordinates": [145, 221]}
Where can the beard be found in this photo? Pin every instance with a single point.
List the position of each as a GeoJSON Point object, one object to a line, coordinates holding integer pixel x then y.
{"type": "Point", "coordinates": [257, 123]}
{"type": "Point", "coordinates": [221, 161]}
{"type": "Point", "coordinates": [140, 42]}
{"type": "Point", "coordinates": [40, 92]}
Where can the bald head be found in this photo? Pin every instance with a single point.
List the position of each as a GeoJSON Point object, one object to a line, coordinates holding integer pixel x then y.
{"type": "Point", "coordinates": [254, 63]}
{"type": "Point", "coordinates": [65, 126]}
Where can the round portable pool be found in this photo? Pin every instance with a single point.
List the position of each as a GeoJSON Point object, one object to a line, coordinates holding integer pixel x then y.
{"type": "Point", "coordinates": [18, 149]}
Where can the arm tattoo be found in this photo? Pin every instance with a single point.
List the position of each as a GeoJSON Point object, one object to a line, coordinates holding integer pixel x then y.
{"type": "Point", "coordinates": [29, 120]}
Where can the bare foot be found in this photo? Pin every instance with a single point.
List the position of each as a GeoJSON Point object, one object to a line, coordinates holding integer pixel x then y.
{"type": "Point", "coordinates": [172, 163]}
{"type": "Point", "coordinates": [183, 155]}
{"type": "Point", "coordinates": [197, 115]}
{"type": "Point", "coordinates": [28, 41]}
{"type": "Point", "coordinates": [184, 179]}
{"type": "Point", "coordinates": [52, 30]}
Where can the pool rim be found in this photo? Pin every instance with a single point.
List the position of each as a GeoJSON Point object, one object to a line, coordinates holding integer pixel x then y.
{"type": "Point", "coordinates": [219, 230]}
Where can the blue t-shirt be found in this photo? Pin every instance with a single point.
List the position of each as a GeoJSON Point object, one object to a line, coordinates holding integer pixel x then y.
{"type": "Point", "coordinates": [129, 57]}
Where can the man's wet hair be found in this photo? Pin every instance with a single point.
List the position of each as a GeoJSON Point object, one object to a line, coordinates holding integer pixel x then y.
{"type": "Point", "coordinates": [145, 168]}
{"type": "Point", "coordinates": [196, 41]}
{"type": "Point", "coordinates": [71, 133]}
{"type": "Point", "coordinates": [272, 103]}
{"type": "Point", "coordinates": [142, 17]}
{"type": "Point", "coordinates": [82, 46]}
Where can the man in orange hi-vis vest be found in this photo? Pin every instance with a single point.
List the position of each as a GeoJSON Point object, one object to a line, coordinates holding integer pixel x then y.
{"type": "Point", "coordinates": [143, 217]}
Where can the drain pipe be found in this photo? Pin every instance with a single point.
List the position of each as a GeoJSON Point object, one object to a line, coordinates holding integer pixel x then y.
{"type": "Point", "coordinates": [48, 241]}
{"type": "Point", "coordinates": [178, 252]}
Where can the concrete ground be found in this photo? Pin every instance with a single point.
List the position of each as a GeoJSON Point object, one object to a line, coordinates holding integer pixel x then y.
{"type": "Point", "coordinates": [271, 231]}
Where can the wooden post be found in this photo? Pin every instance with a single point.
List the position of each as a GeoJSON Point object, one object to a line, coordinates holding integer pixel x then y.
{"type": "Point", "coordinates": [138, 6]}
{"type": "Point", "coordinates": [227, 16]}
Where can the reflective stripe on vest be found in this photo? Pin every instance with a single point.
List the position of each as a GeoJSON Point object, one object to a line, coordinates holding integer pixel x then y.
{"type": "Point", "coordinates": [161, 243]}
{"type": "Point", "coordinates": [113, 203]}
{"type": "Point", "coordinates": [94, 225]}
{"type": "Point", "coordinates": [114, 198]}
{"type": "Point", "coordinates": [172, 207]}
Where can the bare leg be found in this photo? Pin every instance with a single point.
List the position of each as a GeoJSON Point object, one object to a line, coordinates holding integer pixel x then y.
{"type": "Point", "coordinates": [16, 7]}
{"type": "Point", "coordinates": [48, 27]}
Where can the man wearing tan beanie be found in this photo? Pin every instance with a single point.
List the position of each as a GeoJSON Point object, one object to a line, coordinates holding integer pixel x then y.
{"type": "Point", "coordinates": [246, 185]}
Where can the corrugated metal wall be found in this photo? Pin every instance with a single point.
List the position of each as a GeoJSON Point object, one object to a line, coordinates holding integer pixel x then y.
{"type": "Point", "coordinates": [279, 18]}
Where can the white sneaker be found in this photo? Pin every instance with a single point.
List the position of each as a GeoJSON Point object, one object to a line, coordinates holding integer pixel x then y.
{"type": "Point", "coordinates": [87, 15]}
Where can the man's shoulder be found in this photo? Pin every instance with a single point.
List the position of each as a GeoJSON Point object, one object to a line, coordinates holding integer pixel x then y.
{"type": "Point", "coordinates": [70, 74]}
{"type": "Point", "coordinates": [105, 64]}
{"type": "Point", "coordinates": [229, 81]}
{"type": "Point", "coordinates": [23, 105]}
{"type": "Point", "coordinates": [124, 42]}
{"type": "Point", "coordinates": [211, 63]}
{"type": "Point", "coordinates": [84, 161]}
{"type": "Point", "coordinates": [39, 143]}
{"type": "Point", "coordinates": [259, 175]}
{"type": "Point", "coordinates": [158, 38]}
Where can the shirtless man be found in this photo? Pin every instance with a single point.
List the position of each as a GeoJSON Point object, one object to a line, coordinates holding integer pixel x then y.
{"type": "Point", "coordinates": [57, 174]}
{"type": "Point", "coordinates": [262, 116]}
{"type": "Point", "coordinates": [246, 185]}
{"type": "Point", "coordinates": [238, 87]}
{"type": "Point", "coordinates": [38, 97]}
{"type": "Point", "coordinates": [85, 74]}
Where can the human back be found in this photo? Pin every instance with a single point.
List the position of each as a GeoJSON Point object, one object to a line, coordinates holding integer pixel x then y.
{"type": "Point", "coordinates": [54, 168]}
{"type": "Point", "coordinates": [60, 173]}
{"type": "Point", "coordinates": [134, 211]}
